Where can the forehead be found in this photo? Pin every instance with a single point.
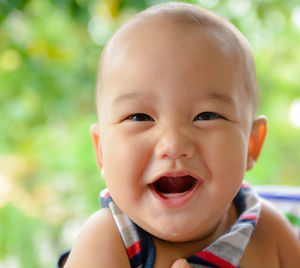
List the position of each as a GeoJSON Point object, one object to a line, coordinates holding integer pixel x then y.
{"type": "Point", "coordinates": [155, 35]}
{"type": "Point", "coordinates": [153, 30]}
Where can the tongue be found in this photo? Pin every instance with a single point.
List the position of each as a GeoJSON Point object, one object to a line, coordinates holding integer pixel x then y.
{"type": "Point", "coordinates": [169, 185]}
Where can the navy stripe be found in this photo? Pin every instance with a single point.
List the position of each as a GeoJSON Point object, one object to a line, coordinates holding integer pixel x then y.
{"type": "Point", "coordinates": [147, 247]}
{"type": "Point", "coordinates": [63, 258]}
{"type": "Point", "coordinates": [240, 202]}
{"type": "Point", "coordinates": [105, 202]}
{"type": "Point", "coordinates": [136, 260]}
{"type": "Point", "coordinates": [198, 260]}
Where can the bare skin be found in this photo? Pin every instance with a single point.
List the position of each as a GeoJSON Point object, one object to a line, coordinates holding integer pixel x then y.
{"type": "Point", "coordinates": [145, 72]}
{"type": "Point", "coordinates": [270, 247]}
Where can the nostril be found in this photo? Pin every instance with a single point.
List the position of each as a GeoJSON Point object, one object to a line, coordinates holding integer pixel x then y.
{"type": "Point", "coordinates": [174, 143]}
{"type": "Point", "coordinates": [174, 152]}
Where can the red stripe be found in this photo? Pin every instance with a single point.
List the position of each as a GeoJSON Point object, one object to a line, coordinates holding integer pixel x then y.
{"type": "Point", "coordinates": [107, 195]}
{"type": "Point", "coordinates": [249, 217]}
{"type": "Point", "coordinates": [208, 256]}
{"type": "Point", "coordinates": [246, 185]}
{"type": "Point", "coordinates": [134, 249]}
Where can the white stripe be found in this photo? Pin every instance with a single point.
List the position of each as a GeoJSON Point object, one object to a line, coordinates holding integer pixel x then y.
{"type": "Point", "coordinates": [125, 226]}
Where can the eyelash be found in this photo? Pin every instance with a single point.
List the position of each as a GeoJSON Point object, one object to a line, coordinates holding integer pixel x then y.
{"type": "Point", "coordinates": [140, 117]}
{"type": "Point", "coordinates": [205, 116]}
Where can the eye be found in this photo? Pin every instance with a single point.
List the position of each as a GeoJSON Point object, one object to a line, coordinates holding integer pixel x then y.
{"type": "Point", "coordinates": [208, 116]}
{"type": "Point", "coordinates": [140, 117]}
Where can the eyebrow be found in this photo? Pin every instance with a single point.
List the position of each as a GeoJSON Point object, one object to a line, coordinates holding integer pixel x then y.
{"type": "Point", "coordinates": [223, 98]}
{"type": "Point", "coordinates": [127, 96]}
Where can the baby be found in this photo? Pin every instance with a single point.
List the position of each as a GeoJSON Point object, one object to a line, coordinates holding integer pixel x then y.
{"type": "Point", "coordinates": [176, 100]}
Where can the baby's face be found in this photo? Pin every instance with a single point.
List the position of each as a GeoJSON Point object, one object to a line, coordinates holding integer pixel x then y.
{"type": "Point", "coordinates": [175, 122]}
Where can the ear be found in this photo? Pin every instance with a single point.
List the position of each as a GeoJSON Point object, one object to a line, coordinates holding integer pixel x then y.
{"type": "Point", "coordinates": [94, 129]}
{"type": "Point", "coordinates": [256, 140]}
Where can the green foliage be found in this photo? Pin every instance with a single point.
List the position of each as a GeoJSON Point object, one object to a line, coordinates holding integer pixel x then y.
{"type": "Point", "coordinates": [7, 6]}
{"type": "Point", "coordinates": [49, 53]}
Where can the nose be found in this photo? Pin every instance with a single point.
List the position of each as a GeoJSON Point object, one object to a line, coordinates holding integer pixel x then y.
{"type": "Point", "coordinates": [174, 144]}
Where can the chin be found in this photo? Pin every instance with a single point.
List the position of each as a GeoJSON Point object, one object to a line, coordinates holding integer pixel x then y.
{"type": "Point", "coordinates": [174, 232]}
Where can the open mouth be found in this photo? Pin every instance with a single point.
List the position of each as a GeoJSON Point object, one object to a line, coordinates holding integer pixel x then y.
{"type": "Point", "coordinates": [168, 185]}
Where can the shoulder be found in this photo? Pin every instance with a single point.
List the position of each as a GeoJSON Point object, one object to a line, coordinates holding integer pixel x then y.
{"type": "Point", "coordinates": [286, 241]}
{"type": "Point", "coordinates": [99, 244]}
{"type": "Point", "coordinates": [274, 243]}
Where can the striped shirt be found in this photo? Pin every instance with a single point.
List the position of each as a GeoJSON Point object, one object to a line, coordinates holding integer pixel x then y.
{"type": "Point", "coordinates": [225, 252]}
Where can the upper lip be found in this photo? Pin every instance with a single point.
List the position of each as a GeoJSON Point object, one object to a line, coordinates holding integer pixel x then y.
{"type": "Point", "coordinates": [176, 173]}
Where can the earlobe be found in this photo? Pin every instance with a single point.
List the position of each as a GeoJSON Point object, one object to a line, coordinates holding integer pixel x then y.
{"type": "Point", "coordinates": [256, 140]}
{"type": "Point", "coordinates": [94, 129]}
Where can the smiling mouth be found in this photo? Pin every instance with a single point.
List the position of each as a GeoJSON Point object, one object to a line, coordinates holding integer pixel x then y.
{"type": "Point", "coordinates": [168, 185]}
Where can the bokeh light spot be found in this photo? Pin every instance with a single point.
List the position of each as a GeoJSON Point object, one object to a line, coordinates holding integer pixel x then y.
{"type": "Point", "coordinates": [295, 113]}
{"type": "Point", "coordinates": [296, 16]}
{"type": "Point", "coordinates": [99, 29]}
{"type": "Point", "coordinates": [208, 3]}
{"type": "Point", "coordinates": [10, 60]}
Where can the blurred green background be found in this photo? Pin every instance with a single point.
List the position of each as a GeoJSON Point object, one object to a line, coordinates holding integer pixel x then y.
{"type": "Point", "coordinates": [49, 53]}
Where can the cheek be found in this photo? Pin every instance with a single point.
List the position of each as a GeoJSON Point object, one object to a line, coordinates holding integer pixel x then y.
{"type": "Point", "coordinates": [227, 153]}
{"type": "Point", "coordinates": [124, 160]}
{"type": "Point", "coordinates": [124, 157]}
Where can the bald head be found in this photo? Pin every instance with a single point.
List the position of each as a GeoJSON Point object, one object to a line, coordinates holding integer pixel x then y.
{"type": "Point", "coordinates": [174, 21]}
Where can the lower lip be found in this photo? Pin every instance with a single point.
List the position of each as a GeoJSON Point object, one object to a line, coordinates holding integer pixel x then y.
{"type": "Point", "coordinates": [176, 200]}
